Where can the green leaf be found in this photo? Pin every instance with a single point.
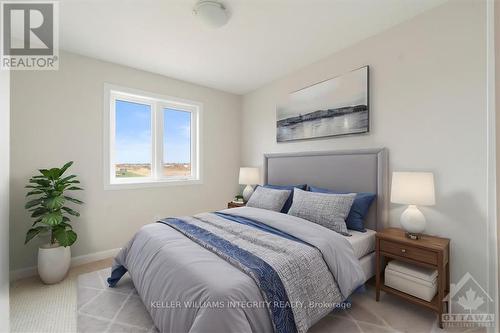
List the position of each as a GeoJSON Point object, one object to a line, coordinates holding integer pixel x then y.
{"type": "Point", "coordinates": [64, 168]}
{"type": "Point", "coordinates": [60, 187]}
{"type": "Point", "coordinates": [65, 225]}
{"type": "Point", "coordinates": [74, 188]}
{"type": "Point", "coordinates": [51, 174]}
{"type": "Point", "coordinates": [66, 219]}
{"type": "Point", "coordinates": [33, 232]}
{"type": "Point", "coordinates": [33, 203]}
{"type": "Point", "coordinates": [54, 203]}
{"type": "Point", "coordinates": [39, 211]}
{"type": "Point", "coordinates": [73, 200]}
{"type": "Point", "coordinates": [70, 211]}
{"type": "Point", "coordinates": [65, 179]}
{"type": "Point", "coordinates": [65, 237]}
{"type": "Point", "coordinates": [37, 221]}
{"type": "Point", "coordinates": [52, 218]}
{"type": "Point", "coordinates": [37, 187]}
{"type": "Point", "coordinates": [44, 172]}
{"type": "Point", "coordinates": [41, 182]}
{"type": "Point", "coordinates": [34, 192]}
{"type": "Point", "coordinates": [55, 173]}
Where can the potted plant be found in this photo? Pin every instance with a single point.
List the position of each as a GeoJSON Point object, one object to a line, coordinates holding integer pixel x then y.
{"type": "Point", "coordinates": [52, 216]}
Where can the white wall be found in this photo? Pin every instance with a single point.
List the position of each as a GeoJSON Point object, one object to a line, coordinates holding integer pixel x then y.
{"type": "Point", "coordinates": [57, 117]}
{"type": "Point", "coordinates": [428, 107]}
{"type": "Point", "coordinates": [496, 9]}
{"type": "Point", "coordinates": [4, 199]}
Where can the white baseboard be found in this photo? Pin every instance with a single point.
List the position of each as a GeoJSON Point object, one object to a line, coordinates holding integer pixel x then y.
{"type": "Point", "coordinates": [75, 261]}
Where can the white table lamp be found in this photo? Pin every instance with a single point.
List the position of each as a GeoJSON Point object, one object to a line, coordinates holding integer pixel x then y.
{"type": "Point", "coordinates": [412, 189]}
{"type": "Point", "coordinates": [249, 177]}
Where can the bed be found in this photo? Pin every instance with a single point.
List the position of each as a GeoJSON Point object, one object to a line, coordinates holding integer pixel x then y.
{"type": "Point", "coordinates": [253, 270]}
{"type": "Point", "coordinates": [363, 244]}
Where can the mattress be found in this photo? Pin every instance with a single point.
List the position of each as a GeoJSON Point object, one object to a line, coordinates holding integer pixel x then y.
{"type": "Point", "coordinates": [368, 265]}
{"type": "Point", "coordinates": [363, 243]}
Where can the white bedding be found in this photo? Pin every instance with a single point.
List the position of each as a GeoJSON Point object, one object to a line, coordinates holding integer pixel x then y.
{"type": "Point", "coordinates": [363, 243]}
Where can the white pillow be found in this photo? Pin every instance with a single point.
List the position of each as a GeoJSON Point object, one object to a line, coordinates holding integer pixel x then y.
{"type": "Point", "coordinates": [328, 210]}
{"type": "Point", "coordinates": [267, 198]}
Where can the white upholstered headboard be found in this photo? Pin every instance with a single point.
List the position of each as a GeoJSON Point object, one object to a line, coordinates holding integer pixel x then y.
{"type": "Point", "coordinates": [364, 170]}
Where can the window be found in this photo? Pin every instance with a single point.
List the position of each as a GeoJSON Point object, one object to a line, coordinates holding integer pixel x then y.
{"type": "Point", "coordinates": [149, 139]}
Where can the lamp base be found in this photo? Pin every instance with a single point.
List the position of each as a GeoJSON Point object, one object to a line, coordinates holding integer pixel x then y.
{"type": "Point", "coordinates": [247, 192]}
{"type": "Point", "coordinates": [413, 222]}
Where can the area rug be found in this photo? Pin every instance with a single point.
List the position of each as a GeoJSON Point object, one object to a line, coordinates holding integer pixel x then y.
{"type": "Point", "coordinates": [104, 309]}
{"type": "Point", "coordinates": [120, 309]}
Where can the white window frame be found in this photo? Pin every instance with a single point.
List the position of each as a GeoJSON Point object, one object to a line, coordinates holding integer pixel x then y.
{"type": "Point", "coordinates": [157, 103]}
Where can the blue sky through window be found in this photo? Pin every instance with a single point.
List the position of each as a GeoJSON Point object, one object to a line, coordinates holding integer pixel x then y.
{"type": "Point", "coordinates": [176, 136]}
{"type": "Point", "coordinates": [133, 133]}
{"type": "Point", "coordinates": [133, 141]}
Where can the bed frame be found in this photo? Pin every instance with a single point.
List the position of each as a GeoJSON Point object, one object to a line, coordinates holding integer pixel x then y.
{"type": "Point", "coordinates": [364, 170]}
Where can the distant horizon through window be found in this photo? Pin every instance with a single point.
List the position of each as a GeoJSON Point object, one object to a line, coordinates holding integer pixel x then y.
{"type": "Point", "coordinates": [133, 144]}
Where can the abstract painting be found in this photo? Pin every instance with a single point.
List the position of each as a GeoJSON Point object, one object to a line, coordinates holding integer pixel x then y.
{"type": "Point", "coordinates": [337, 106]}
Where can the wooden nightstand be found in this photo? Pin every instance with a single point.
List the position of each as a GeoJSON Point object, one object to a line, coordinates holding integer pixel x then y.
{"type": "Point", "coordinates": [232, 204]}
{"type": "Point", "coordinates": [428, 251]}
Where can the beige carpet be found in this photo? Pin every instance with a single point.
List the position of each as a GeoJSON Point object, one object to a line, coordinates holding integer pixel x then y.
{"type": "Point", "coordinates": [36, 307]}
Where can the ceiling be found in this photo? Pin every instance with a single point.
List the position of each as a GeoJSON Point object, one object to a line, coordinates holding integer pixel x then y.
{"type": "Point", "coordinates": [263, 40]}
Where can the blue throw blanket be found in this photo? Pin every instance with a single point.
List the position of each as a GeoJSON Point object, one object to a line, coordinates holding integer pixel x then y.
{"type": "Point", "coordinates": [264, 275]}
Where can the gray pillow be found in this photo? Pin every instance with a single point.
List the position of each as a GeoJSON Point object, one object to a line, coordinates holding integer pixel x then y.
{"type": "Point", "coordinates": [267, 198]}
{"type": "Point", "coordinates": [328, 210]}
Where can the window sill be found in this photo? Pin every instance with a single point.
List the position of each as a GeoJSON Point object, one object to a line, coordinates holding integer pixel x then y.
{"type": "Point", "coordinates": [151, 183]}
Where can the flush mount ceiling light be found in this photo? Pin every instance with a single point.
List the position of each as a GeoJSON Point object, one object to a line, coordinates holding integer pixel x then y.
{"type": "Point", "coordinates": [212, 13]}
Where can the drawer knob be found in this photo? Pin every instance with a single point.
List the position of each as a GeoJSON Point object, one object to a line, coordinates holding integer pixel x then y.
{"type": "Point", "coordinates": [403, 250]}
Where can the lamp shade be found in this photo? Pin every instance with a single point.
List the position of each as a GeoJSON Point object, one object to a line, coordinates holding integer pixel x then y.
{"type": "Point", "coordinates": [249, 176]}
{"type": "Point", "coordinates": [413, 188]}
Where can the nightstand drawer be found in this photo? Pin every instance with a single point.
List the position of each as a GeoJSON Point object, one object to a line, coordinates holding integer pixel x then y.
{"type": "Point", "coordinates": [410, 252]}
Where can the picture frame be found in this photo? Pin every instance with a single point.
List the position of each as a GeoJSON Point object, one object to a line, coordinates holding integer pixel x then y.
{"type": "Point", "coordinates": [334, 107]}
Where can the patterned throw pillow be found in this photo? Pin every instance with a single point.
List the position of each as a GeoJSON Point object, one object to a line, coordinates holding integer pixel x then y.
{"type": "Point", "coordinates": [289, 201]}
{"type": "Point", "coordinates": [327, 210]}
{"type": "Point", "coordinates": [267, 198]}
{"type": "Point", "coordinates": [359, 209]}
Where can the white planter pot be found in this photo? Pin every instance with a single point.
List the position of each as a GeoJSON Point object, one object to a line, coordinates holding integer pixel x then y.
{"type": "Point", "coordinates": [53, 263]}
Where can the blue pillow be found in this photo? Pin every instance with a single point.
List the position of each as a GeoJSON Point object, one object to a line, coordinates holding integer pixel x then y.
{"type": "Point", "coordinates": [288, 202]}
{"type": "Point", "coordinates": [362, 202]}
